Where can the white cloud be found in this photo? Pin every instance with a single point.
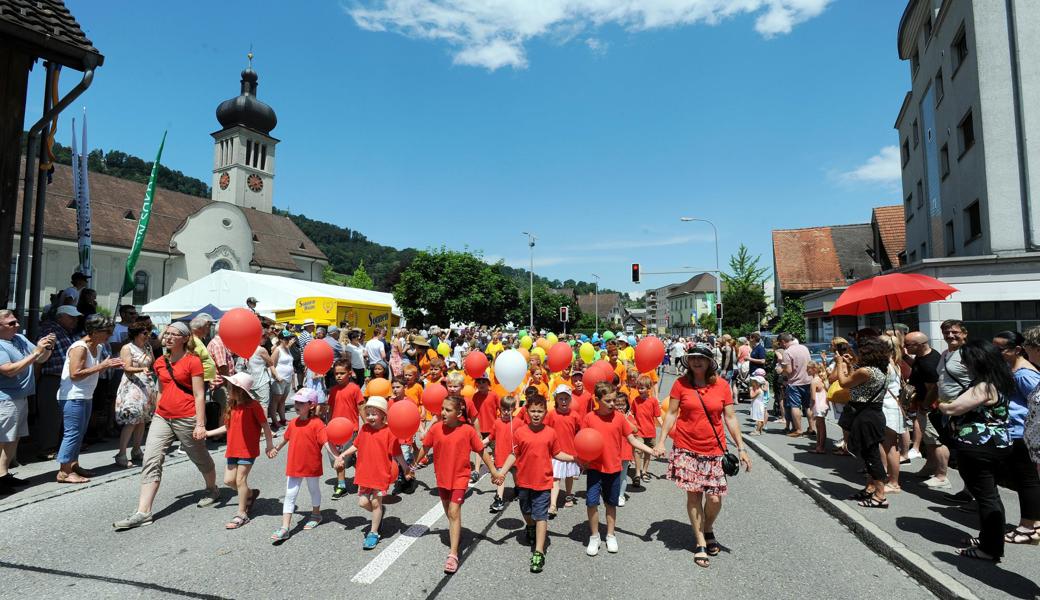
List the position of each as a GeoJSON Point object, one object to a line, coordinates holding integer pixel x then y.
{"type": "Point", "coordinates": [883, 167]}
{"type": "Point", "coordinates": [493, 33]}
{"type": "Point", "coordinates": [597, 46]}
{"type": "Point", "coordinates": [629, 244]}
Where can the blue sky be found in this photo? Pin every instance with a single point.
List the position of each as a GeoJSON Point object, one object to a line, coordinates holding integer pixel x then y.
{"type": "Point", "coordinates": [595, 124]}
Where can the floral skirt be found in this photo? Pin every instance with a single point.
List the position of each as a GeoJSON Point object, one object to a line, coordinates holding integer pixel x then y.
{"type": "Point", "coordinates": [133, 401]}
{"type": "Point", "coordinates": [697, 473]}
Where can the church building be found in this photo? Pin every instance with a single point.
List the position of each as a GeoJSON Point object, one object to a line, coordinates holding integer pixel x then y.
{"type": "Point", "coordinates": [188, 237]}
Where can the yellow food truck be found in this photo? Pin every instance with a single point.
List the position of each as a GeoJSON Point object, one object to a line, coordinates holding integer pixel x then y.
{"type": "Point", "coordinates": [342, 313]}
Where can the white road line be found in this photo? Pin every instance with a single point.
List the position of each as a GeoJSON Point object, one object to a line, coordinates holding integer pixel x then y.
{"type": "Point", "coordinates": [381, 563]}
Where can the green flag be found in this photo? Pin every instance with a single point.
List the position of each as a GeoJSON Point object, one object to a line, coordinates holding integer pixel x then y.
{"type": "Point", "coordinates": [142, 224]}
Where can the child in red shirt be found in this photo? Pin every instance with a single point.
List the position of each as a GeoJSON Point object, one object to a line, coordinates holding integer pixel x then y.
{"type": "Point", "coordinates": [535, 446]}
{"type": "Point", "coordinates": [305, 437]}
{"type": "Point", "coordinates": [345, 399]}
{"type": "Point", "coordinates": [604, 473]}
{"type": "Point", "coordinates": [243, 422]}
{"type": "Point", "coordinates": [623, 407]}
{"type": "Point", "coordinates": [452, 439]}
{"type": "Point", "coordinates": [486, 403]}
{"type": "Point", "coordinates": [501, 435]}
{"type": "Point", "coordinates": [581, 398]}
{"type": "Point", "coordinates": [647, 412]}
{"type": "Point", "coordinates": [566, 422]}
{"type": "Point", "coordinates": [377, 449]}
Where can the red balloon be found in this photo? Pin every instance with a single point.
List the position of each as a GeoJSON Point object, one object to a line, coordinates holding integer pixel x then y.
{"type": "Point", "coordinates": [597, 372]}
{"type": "Point", "coordinates": [403, 419]}
{"type": "Point", "coordinates": [559, 357]}
{"type": "Point", "coordinates": [241, 331]}
{"type": "Point", "coordinates": [433, 396]}
{"type": "Point", "coordinates": [376, 387]}
{"type": "Point", "coordinates": [589, 444]}
{"type": "Point", "coordinates": [475, 364]}
{"type": "Point", "coordinates": [318, 357]}
{"type": "Point", "coordinates": [339, 430]}
{"type": "Point", "coordinates": [649, 354]}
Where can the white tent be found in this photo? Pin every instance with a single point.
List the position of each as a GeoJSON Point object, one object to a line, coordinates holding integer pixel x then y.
{"type": "Point", "coordinates": [228, 289]}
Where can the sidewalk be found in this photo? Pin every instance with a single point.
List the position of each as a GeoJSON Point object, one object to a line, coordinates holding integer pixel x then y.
{"type": "Point", "coordinates": [920, 532]}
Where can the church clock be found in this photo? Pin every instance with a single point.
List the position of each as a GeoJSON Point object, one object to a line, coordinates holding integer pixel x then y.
{"type": "Point", "coordinates": [225, 180]}
{"type": "Point", "coordinates": [255, 183]}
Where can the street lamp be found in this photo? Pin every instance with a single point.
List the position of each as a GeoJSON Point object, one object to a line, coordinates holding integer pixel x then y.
{"type": "Point", "coordinates": [530, 242]}
{"type": "Point", "coordinates": [718, 273]}
{"type": "Point", "coordinates": [597, 303]}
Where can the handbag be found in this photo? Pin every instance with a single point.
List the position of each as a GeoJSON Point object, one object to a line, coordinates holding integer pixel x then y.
{"type": "Point", "coordinates": [730, 463]}
{"type": "Point", "coordinates": [837, 394]}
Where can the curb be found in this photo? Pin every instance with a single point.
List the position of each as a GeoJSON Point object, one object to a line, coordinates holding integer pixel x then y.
{"type": "Point", "coordinates": [876, 538]}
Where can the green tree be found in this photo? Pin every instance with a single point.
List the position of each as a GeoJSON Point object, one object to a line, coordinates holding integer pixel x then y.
{"type": "Point", "coordinates": [793, 319]}
{"type": "Point", "coordinates": [547, 305]}
{"type": "Point", "coordinates": [441, 286]}
{"type": "Point", "coordinates": [360, 278]}
{"type": "Point", "coordinates": [707, 322]}
{"type": "Point", "coordinates": [331, 277]}
{"type": "Point", "coordinates": [744, 301]}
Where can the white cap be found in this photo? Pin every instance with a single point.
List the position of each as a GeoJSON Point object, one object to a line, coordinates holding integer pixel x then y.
{"type": "Point", "coordinates": [68, 310]}
{"type": "Point", "coordinates": [562, 389]}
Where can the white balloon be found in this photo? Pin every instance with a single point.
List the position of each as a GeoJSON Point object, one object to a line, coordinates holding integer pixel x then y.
{"type": "Point", "coordinates": [510, 369]}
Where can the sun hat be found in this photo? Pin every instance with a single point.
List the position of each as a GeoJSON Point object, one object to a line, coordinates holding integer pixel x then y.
{"type": "Point", "coordinates": [702, 351]}
{"type": "Point", "coordinates": [420, 341]}
{"type": "Point", "coordinates": [562, 389]}
{"type": "Point", "coordinates": [305, 396]}
{"type": "Point", "coordinates": [759, 379]}
{"type": "Point", "coordinates": [307, 322]}
{"type": "Point", "coordinates": [760, 372]}
{"type": "Point", "coordinates": [244, 382]}
{"type": "Point", "coordinates": [69, 311]}
{"type": "Point", "coordinates": [377, 402]}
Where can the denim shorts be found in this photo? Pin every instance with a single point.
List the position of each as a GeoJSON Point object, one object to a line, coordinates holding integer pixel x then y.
{"type": "Point", "coordinates": [599, 484]}
{"type": "Point", "coordinates": [534, 503]}
{"type": "Point", "coordinates": [232, 461]}
{"type": "Point", "coordinates": [798, 396]}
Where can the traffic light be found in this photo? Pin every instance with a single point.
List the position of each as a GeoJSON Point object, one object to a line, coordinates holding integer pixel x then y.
{"type": "Point", "coordinates": [564, 314]}
{"type": "Point", "coordinates": [718, 310]}
{"type": "Point", "coordinates": [635, 272]}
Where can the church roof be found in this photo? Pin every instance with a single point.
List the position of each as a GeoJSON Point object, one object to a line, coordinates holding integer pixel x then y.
{"type": "Point", "coordinates": [46, 28]}
{"type": "Point", "coordinates": [116, 205]}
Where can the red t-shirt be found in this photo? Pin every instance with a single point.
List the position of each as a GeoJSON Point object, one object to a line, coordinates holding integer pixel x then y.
{"type": "Point", "coordinates": [487, 410]}
{"type": "Point", "coordinates": [306, 439]}
{"type": "Point", "coordinates": [451, 448]}
{"type": "Point", "coordinates": [502, 434]}
{"type": "Point", "coordinates": [345, 400]}
{"type": "Point", "coordinates": [534, 451]}
{"type": "Point", "coordinates": [566, 427]}
{"type": "Point", "coordinates": [581, 403]}
{"type": "Point", "coordinates": [692, 429]}
{"type": "Point", "coordinates": [646, 413]}
{"type": "Point", "coordinates": [627, 452]}
{"type": "Point", "coordinates": [175, 403]}
{"type": "Point", "coordinates": [614, 429]}
{"type": "Point", "coordinates": [243, 430]}
{"type": "Point", "coordinates": [376, 449]}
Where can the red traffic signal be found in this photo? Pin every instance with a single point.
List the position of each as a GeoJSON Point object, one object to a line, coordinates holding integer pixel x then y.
{"type": "Point", "coordinates": [718, 310]}
{"type": "Point", "coordinates": [635, 272]}
{"type": "Point", "coordinates": [564, 314]}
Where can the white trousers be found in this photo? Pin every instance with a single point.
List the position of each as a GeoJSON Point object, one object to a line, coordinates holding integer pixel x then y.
{"type": "Point", "coordinates": [292, 489]}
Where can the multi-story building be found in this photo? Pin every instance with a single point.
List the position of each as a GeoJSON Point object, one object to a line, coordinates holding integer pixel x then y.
{"type": "Point", "coordinates": [687, 302]}
{"type": "Point", "coordinates": [969, 134]}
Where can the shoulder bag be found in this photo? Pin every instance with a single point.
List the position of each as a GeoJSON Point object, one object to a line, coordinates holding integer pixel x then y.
{"type": "Point", "coordinates": [730, 462]}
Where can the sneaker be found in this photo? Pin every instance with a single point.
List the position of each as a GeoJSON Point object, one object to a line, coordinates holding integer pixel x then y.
{"type": "Point", "coordinates": [913, 454]}
{"type": "Point", "coordinates": [537, 562]}
{"type": "Point", "coordinates": [593, 548]}
{"type": "Point", "coordinates": [138, 519]}
{"type": "Point", "coordinates": [339, 492]}
{"type": "Point", "coordinates": [530, 532]}
{"type": "Point", "coordinates": [937, 484]}
{"type": "Point", "coordinates": [498, 505]}
{"type": "Point", "coordinates": [212, 497]}
{"type": "Point", "coordinates": [474, 476]}
{"type": "Point", "coordinates": [612, 544]}
{"type": "Point", "coordinates": [370, 540]}
{"type": "Point", "coordinates": [182, 451]}
{"type": "Point", "coordinates": [621, 501]}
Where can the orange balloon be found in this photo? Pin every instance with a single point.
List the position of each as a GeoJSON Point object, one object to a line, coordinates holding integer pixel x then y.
{"type": "Point", "coordinates": [376, 387]}
{"type": "Point", "coordinates": [468, 391]}
{"type": "Point", "coordinates": [543, 344]}
{"type": "Point", "coordinates": [525, 353]}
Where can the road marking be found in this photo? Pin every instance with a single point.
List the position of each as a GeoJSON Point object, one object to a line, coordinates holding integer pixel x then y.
{"type": "Point", "coordinates": [381, 563]}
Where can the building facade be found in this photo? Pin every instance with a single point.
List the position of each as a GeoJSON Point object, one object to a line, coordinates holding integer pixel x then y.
{"type": "Point", "coordinates": [688, 302]}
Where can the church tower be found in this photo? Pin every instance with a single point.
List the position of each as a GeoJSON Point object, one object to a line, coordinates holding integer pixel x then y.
{"type": "Point", "coordinates": [243, 152]}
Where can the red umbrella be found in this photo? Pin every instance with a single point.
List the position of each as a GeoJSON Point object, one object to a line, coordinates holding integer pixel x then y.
{"type": "Point", "coordinates": [892, 292]}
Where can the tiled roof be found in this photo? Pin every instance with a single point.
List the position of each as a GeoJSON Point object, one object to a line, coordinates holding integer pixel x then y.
{"type": "Point", "coordinates": [276, 237]}
{"type": "Point", "coordinates": [891, 225]}
{"type": "Point", "coordinates": [587, 303]}
{"type": "Point", "coordinates": [47, 29]}
{"type": "Point", "coordinates": [816, 258]}
{"type": "Point", "coordinates": [704, 282]}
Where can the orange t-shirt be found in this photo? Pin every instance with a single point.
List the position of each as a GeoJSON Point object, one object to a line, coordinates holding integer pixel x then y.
{"type": "Point", "coordinates": [566, 427]}
{"type": "Point", "coordinates": [646, 412]}
{"type": "Point", "coordinates": [414, 393]}
{"type": "Point", "coordinates": [451, 449]}
{"type": "Point", "coordinates": [306, 439]}
{"type": "Point", "coordinates": [345, 401]}
{"type": "Point", "coordinates": [243, 430]}
{"type": "Point", "coordinates": [693, 430]}
{"type": "Point", "coordinates": [542, 388]}
{"type": "Point", "coordinates": [614, 428]}
{"type": "Point", "coordinates": [502, 434]}
{"type": "Point", "coordinates": [376, 449]}
{"type": "Point", "coordinates": [534, 451]}
{"type": "Point", "coordinates": [424, 360]}
{"type": "Point", "coordinates": [487, 410]}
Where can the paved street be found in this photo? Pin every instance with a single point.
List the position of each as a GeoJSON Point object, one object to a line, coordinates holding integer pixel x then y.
{"type": "Point", "coordinates": [63, 544]}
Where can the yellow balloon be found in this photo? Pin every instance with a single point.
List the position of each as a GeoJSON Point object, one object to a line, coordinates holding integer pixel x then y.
{"type": "Point", "coordinates": [540, 352]}
{"type": "Point", "coordinates": [552, 338]}
{"type": "Point", "coordinates": [587, 353]}
{"type": "Point", "coordinates": [525, 342]}
{"type": "Point", "coordinates": [443, 349]}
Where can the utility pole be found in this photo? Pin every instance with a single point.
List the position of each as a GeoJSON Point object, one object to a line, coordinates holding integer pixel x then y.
{"type": "Point", "coordinates": [530, 242]}
{"type": "Point", "coordinates": [718, 273]}
{"type": "Point", "coordinates": [597, 302]}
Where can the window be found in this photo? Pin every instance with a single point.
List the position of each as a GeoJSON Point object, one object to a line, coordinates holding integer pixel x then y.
{"type": "Point", "coordinates": [140, 288]}
{"type": "Point", "coordinates": [249, 150]}
{"type": "Point", "coordinates": [959, 50]}
{"type": "Point", "coordinates": [938, 87]}
{"type": "Point", "coordinates": [920, 194]}
{"type": "Point", "coordinates": [221, 265]}
{"type": "Point", "coordinates": [917, 133]}
{"type": "Point", "coordinates": [944, 160]}
{"type": "Point", "coordinates": [924, 251]}
{"type": "Point", "coordinates": [905, 151]}
{"type": "Point", "coordinates": [948, 239]}
{"type": "Point", "coordinates": [927, 31]}
{"type": "Point", "coordinates": [966, 133]}
{"type": "Point", "coordinates": [912, 257]}
{"type": "Point", "coordinates": [129, 215]}
{"type": "Point", "coordinates": [256, 153]}
{"type": "Point", "coordinates": [915, 63]}
{"type": "Point", "coordinates": [263, 157]}
{"type": "Point", "coordinates": [972, 222]}
{"type": "Point", "coordinates": [908, 206]}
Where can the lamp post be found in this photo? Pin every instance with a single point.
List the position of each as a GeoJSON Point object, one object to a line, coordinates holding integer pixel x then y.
{"type": "Point", "coordinates": [530, 242]}
{"type": "Point", "coordinates": [596, 310]}
{"type": "Point", "coordinates": [718, 273]}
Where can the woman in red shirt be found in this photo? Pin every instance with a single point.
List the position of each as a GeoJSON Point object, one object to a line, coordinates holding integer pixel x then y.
{"type": "Point", "coordinates": [697, 405]}
{"type": "Point", "coordinates": [181, 416]}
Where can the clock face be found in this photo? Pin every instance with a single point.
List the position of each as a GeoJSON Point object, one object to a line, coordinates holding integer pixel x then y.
{"type": "Point", "coordinates": [255, 183]}
{"type": "Point", "coordinates": [225, 180]}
